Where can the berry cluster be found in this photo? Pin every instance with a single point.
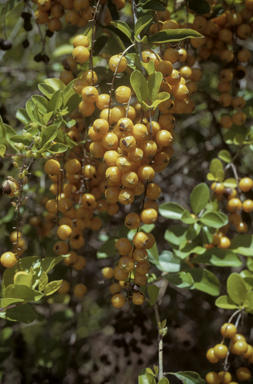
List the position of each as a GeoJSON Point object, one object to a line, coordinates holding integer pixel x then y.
{"type": "Point", "coordinates": [237, 346]}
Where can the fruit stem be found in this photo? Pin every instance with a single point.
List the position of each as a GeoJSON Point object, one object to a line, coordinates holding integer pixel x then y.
{"type": "Point", "coordinates": [160, 344]}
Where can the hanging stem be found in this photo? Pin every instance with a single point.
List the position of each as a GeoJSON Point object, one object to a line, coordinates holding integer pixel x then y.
{"type": "Point", "coordinates": [160, 343]}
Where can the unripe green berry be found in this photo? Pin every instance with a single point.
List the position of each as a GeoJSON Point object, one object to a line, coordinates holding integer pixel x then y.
{"type": "Point", "coordinates": [36, 155]}
{"type": "Point", "coordinates": [38, 140]}
{"type": "Point", "coordinates": [33, 125]}
{"type": "Point", "coordinates": [15, 165]}
{"type": "Point", "coordinates": [29, 153]}
{"type": "Point", "coordinates": [16, 158]}
{"type": "Point", "coordinates": [25, 172]}
{"type": "Point", "coordinates": [19, 146]}
{"type": "Point", "coordinates": [21, 175]}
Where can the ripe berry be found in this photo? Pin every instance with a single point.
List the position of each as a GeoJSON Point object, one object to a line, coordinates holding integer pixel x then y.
{"type": "Point", "coordinates": [118, 62]}
{"type": "Point", "coordinates": [243, 373]}
{"type": "Point", "coordinates": [225, 377]}
{"type": "Point", "coordinates": [220, 351]}
{"type": "Point", "coordinates": [64, 232]}
{"type": "Point", "coordinates": [132, 221]}
{"type": "Point", "coordinates": [212, 378]}
{"type": "Point", "coordinates": [246, 184]}
{"type": "Point", "coordinates": [228, 330]}
{"type": "Point", "coordinates": [123, 246]}
{"type": "Point", "coordinates": [8, 259]}
{"type": "Point", "coordinates": [81, 54]}
{"type": "Point", "coordinates": [118, 300]}
{"type": "Point", "coordinates": [211, 356]}
{"type": "Point", "coordinates": [138, 298]}
{"type": "Point", "coordinates": [64, 288]}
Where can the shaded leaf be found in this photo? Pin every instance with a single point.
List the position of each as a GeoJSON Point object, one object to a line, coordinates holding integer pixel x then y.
{"type": "Point", "coordinates": [123, 27]}
{"type": "Point", "coordinates": [23, 313]}
{"type": "Point", "coordinates": [153, 291]}
{"type": "Point", "coordinates": [225, 156]}
{"type": "Point", "coordinates": [188, 377]}
{"type": "Point", "coordinates": [205, 281]}
{"type": "Point", "coordinates": [199, 198]}
{"type": "Point", "coordinates": [107, 249]}
{"type": "Point", "coordinates": [236, 288]}
{"type": "Point", "coordinates": [168, 35]}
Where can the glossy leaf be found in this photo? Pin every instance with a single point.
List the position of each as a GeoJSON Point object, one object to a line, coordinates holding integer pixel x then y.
{"type": "Point", "coordinates": [49, 263]}
{"type": "Point", "coordinates": [172, 211]}
{"type": "Point", "coordinates": [219, 257]}
{"type": "Point", "coordinates": [52, 287]}
{"type": "Point", "coordinates": [6, 302]}
{"type": "Point", "coordinates": [43, 281]}
{"type": "Point", "coordinates": [205, 281]}
{"type": "Point", "coordinates": [176, 234]}
{"type": "Point", "coordinates": [58, 148]}
{"type": "Point", "coordinates": [149, 67]}
{"type": "Point", "coordinates": [123, 27]}
{"type": "Point", "coordinates": [22, 116]}
{"type": "Point", "coordinates": [153, 255]}
{"type": "Point", "coordinates": [230, 183]}
{"type": "Point", "coordinates": [169, 35]}
{"type": "Point", "coordinates": [225, 302]}
{"type": "Point", "coordinates": [180, 279]}
{"type": "Point", "coordinates": [154, 83]}
{"type": "Point", "coordinates": [24, 280]}
{"type": "Point", "coordinates": [236, 288]}
{"type": "Point", "coordinates": [162, 96]}
{"type": "Point", "coordinates": [41, 102]}
{"type": "Point", "coordinates": [146, 378]}
{"type": "Point", "coordinates": [164, 381]}
{"type": "Point", "coordinates": [225, 156]}
{"type": "Point", "coordinates": [22, 292]}
{"type": "Point", "coordinates": [107, 249]}
{"type": "Point", "coordinates": [48, 135]}
{"type": "Point", "coordinates": [56, 101]}
{"type": "Point", "coordinates": [56, 84]}
{"type": "Point", "coordinates": [21, 139]}
{"type": "Point", "coordinates": [133, 61]}
{"type": "Point", "coordinates": [213, 219]}
{"type": "Point", "coordinates": [199, 198]}
{"type": "Point", "coordinates": [187, 218]}
{"type": "Point", "coordinates": [153, 291]}
{"type": "Point", "coordinates": [139, 85]}
{"type": "Point", "coordinates": [142, 22]}
{"type": "Point", "coordinates": [168, 262]}
{"type": "Point", "coordinates": [242, 244]}
{"type": "Point", "coordinates": [188, 377]}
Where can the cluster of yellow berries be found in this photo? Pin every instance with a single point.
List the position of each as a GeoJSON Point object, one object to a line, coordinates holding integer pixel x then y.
{"type": "Point", "coordinates": [237, 346]}
{"type": "Point", "coordinates": [9, 259]}
{"type": "Point", "coordinates": [75, 12]}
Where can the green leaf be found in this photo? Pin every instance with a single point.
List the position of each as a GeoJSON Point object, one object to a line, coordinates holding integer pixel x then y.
{"type": "Point", "coordinates": [73, 102]}
{"type": "Point", "coordinates": [58, 148]}
{"type": "Point", "coordinates": [56, 101]}
{"type": "Point", "coordinates": [30, 108]}
{"type": "Point", "coordinates": [49, 263]}
{"type": "Point", "coordinates": [199, 198]}
{"type": "Point", "coordinates": [43, 281]}
{"type": "Point", "coordinates": [52, 287]}
{"type": "Point", "coordinates": [139, 85]}
{"type": "Point", "coordinates": [133, 61]}
{"type": "Point", "coordinates": [56, 84]}
{"type": "Point", "coordinates": [142, 22]}
{"type": "Point", "coordinates": [180, 279]}
{"type": "Point", "coordinates": [164, 381]}
{"type": "Point", "coordinates": [153, 291]}
{"type": "Point", "coordinates": [225, 156]}
{"type": "Point", "coordinates": [23, 313]}
{"type": "Point", "coordinates": [153, 255]}
{"type": "Point", "coordinates": [123, 27]}
{"type": "Point", "coordinates": [6, 302]}
{"type": "Point", "coordinates": [250, 300]}
{"type": "Point", "coordinates": [242, 244]}
{"type": "Point", "coordinates": [46, 89]}
{"type": "Point", "coordinates": [22, 116]}
{"type": "Point", "coordinates": [215, 167]}
{"type": "Point", "coordinates": [230, 183]}
{"type": "Point", "coordinates": [200, 7]}
{"type": "Point", "coordinates": [153, 5]}
{"type": "Point", "coordinates": [154, 84]}
{"type": "Point", "coordinates": [24, 280]}
{"type": "Point", "coordinates": [41, 102]}
{"type": "Point", "coordinates": [21, 139]}
{"type": "Point", "coordinates": [225, 302]}
{"type": "Point", "coordinates": [214, 219]}
{"type": "Point", "coordinates": [99, 44]}
{"type": "Point", "coordinates": [22, 292]}
{"type": "Point", "coordinates": [172, 211]}
{"type": "Point", "coordinates": [48, 135]}
{"type": "Point", "coordinates": [162, 96]}
{"type": "Point", "coordinates": [188, 377]}
{"type": "Point", "coordinates": [63, 49]}
{"type": "Point", "coordinates": [169, 35]}
{"type": "Point", "coordinates": [219, 257]}
{"type": "Point", "coordinates": [205, 281]}
{"type": "Point", "coordinates": [47, 117]}
{"type": "Point", "coordinates": [168, 262]}
{"type": "Point", "coordinates": [107, 249]}
{"type": "Point", "coordinates": [187, 218]}
{"type": "Point", "coordinates": [176, 234]}
{"type": "Point", "coordinates": [236, 288]}
{"type": "Point", "coordinates": [146, 378]}
{"type": "Point", "coordinates": [149, 67]}
{"type": "Point", "coordinates": [2, 150]}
